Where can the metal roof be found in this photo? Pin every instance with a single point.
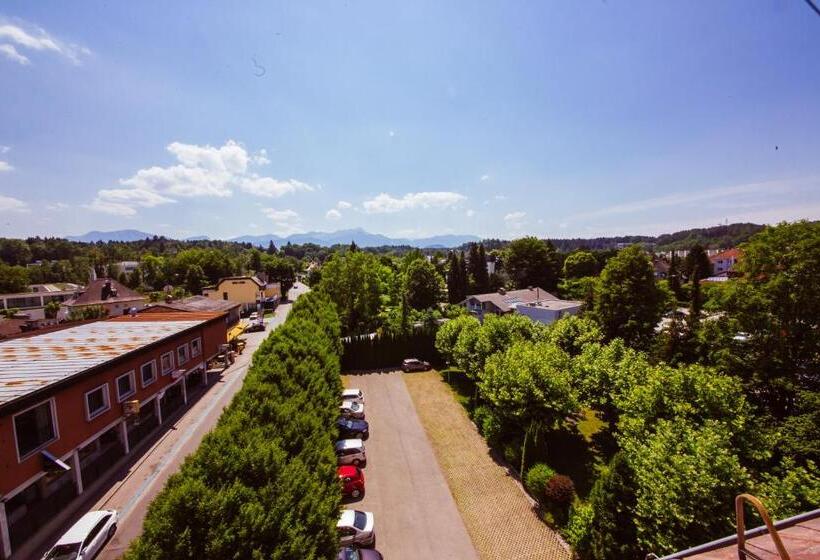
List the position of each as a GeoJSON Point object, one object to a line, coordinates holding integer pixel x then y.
{"type": "Point", "coordinates": [31, 364]}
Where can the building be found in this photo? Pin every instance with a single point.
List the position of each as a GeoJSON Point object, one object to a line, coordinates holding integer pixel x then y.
{"type": "Point", "coordinates": [127, 267]}
{"type": "Point", "coordinates": [33, 302]}
{"type": "Point", "coordinates": [548, 311]}
{"type": "Point", "coordinates": [198, 304]}
{"type": "Point", "coordinates": [246, 290]}
{"type": "Point", "coordinates": [75, 401]}
{"type": "Point", "coordinates": [115, 298]}
{"type": "Point", "coordinates": [724, 262]}
{"type": "Point", "coordinates": [503, 302]}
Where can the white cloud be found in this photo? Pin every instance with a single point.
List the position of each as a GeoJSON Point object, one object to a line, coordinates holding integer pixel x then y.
{"type": "Point", "coordinates": [333, 214]}
{"type": "Point", "coordinates": [5, 149]}
{"type": "Point", "coordinates": [12, 54]}
{"type": "Point", "coordinates": [484, 178]}
{"type": "Point", "coordinates": [343, 205]}
{"type": "Point", "coordinates": [500, 197]}
{"type": "Point", "coordinates": [515, 220]}
{"type": "Point", "coordinates": [58, 206]}
{"type": "Point", "coordinates": [5, 166]}
{"type": "Point", "coordinates": [386, 204]}
{"type": "Point", "coordinates": [470, 213]}
{"type": "Point", "coordinates": [286, 221]}
{"type": "Point", "coordinates": [26, 36]}
{"type": "Point", "coordinates": [9, 204]}
{"type": "Point", "coordinates": [391, 133]}
{"type": "Point", "coordinates": [201, 170]}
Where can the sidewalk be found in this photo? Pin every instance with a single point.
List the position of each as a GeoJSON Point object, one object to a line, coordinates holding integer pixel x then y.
{"type": "Point", "coordinates": [497, 513]}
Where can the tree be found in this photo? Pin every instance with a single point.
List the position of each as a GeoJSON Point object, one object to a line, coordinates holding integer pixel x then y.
{"type": "Point", "coordinates": [479, 279]}
{"type": "Point", "coordinates": [612, 532]}
{"type": "Point", "coordinates": [14, 252]}
{"type": "Point", "coordinates": [529, 386]}
{"type": "Point", "coordinates": [271, 250]}
{"type": "Point", "coordinates": [255, 260]}
{"type": "Point", "coordinates": [697, 262]}
{"type": "Point", "coordinates": [463, 276]}
{"type": "Point", "coordinates": [531, 262]}
{"type": "Point", "coordinates": [455, 278]}
{"type": "Point", "coordinates": [572, 334]}
{"type": "Point", "coordinates": [422, 285]}
{"type": "Point", "coordinates": [628, 302]}
{"type": "Point", "coordinates": [447, 336]}
{"type": "Point", "coordinates": [194, 279]}
{"type": "Point", "coordinates": [282, 270]}
{"type": "Point", "coordinates": [13, 279]}
{"type": "Point", "coordinates": [580, 264]}
{"type": "Point", "coordinates": [674, 277]}
{"type": "Point", "coordinates": [352, 280]}
{"type": "Point", "coordinates": [51, 309]}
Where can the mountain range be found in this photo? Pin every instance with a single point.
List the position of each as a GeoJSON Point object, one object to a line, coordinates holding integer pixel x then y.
{"type": "Point", "coordinates": [361, 237]}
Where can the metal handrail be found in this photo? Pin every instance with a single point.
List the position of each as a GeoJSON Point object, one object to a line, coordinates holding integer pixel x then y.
{"type": "Point", "coordinates": [741, 526]}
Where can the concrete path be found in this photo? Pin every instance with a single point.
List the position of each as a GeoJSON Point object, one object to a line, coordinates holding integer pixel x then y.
{"type": "Point", "coordinates": [498, 514]}
{"type": "Point", "coordinates": [416, 516]}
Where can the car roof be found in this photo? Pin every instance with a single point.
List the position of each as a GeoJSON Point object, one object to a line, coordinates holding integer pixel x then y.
{"type": "Point", "coordinates": [351, 391]}
{"type": "Point", "coordinates": [348, 443]}
{"type": "Point", "coordinates": [349, 404]}
{"type": "Point", "coordinates": [79, 531]}
{"type": "Point", "coordinates": [347, 518]}
{"type": "Point", "coordinates": [346, 470]}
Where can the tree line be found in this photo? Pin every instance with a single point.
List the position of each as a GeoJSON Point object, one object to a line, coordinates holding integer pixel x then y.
{"type": "Point", "coordinates": [263, 483]}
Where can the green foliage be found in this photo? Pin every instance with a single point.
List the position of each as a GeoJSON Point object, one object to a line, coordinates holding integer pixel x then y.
{"type": "Point", "coordinates": [579, 289]}
{"type": "Point", "coordinates": [578, 529]}
{"type": "Point", "coordinates": [497, 333]}
{"type": "Point", "coordinates": [572, 334]}
{"type": "Point", "coordinates": [478, 279]}
{"type": "Point", "coordinates": [51, 309]}
{"type": "Point", "coordinates": [263, 483]}
{"type": "Point", "coordinates": [280, 269]}
{"type": "Point", "coordinates": [387, 350]}
{"type": "Point", "coordinates": [536, 479]}
{"type": "Point", "coordinates": [790, 489]}
{"type": "Point", "coordinates": [628, 303]}
{"type": "Point", "coordinates": [610, 518]}
{"type": "Point", "coordinates": [88, 312]}
{"type": "Point", "coordinates": [532, 262]}
{"type": "Point", "coordinates": [800, 432]}
{"type": "Point", "coordinates": [422, 284]}
{"type": "Point", "coordinates": [13, 279]}
{"type": "Point", "coordinates": [456, 277]}
{"type": "Point", "coordinates": [14, 252]}
{"type": "Point", "coordinates": [353, 281]}
{"type": "Point", "coordinates": [194, 279]}
{"type": "Point", "coordinates": [580, 264]}
{"type": "Point", "coordinates": [447, 336]}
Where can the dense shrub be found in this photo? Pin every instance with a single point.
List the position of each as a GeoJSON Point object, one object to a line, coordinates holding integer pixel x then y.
{"type": "Point", "coordinates": [578, 529]}
{"type": "Point", "coordinates": [263, 483]}
{"type": "Point", "coordinates": [536, 479]}
{"type": "Point", "coordinates": [560, 490]}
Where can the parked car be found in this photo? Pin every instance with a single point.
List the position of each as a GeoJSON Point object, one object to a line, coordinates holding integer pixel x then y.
{"type": "Point", "coordinates": [412, 364]}
{"type": "Point", "coordinates": [352, 409]}
{"type": "Point", "coordinates": [355, 395]}
{"type": "Point", "coordinates": [86, 537]}
{"type": "Point", "coordinates": [352, 479]}
{"type": "Point", "coordinates": [351, 553]}
{"type": "Point", "coordinates": [253, 316]}
{"type": "Point", "coordinates": [356, 528]}
{"type": "Point", "coordinates": [254, 326]}
{"type": "Point", "coordinates": [352, 428]}
{"type": "Point", "coordinates": [350, 452]}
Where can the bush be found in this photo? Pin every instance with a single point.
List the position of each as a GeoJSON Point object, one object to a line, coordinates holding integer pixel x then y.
{"type": "Point", "coordinates": [536, 479]}
{"type": "Point", "coordinates": [560, 490]}
{"type": "Point", "coordinates": [577, 532]}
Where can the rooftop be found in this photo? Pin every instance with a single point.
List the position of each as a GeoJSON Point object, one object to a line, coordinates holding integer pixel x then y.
{"type": "Point", "coordinates": [552, 304]}
{"type": "Point", "coordinates": [105, 290]}
{"type": "Point", "coordinates": [727, 254]}
{"type": "Point", "coordinates": [196, 303]}
{"type": "Point", "coordinates": [28, 365]}
{"type": "Point", "coordinates": [505, 300]}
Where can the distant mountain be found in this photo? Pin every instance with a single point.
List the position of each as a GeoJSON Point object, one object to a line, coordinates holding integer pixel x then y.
{"type": "Point", "coordinates": [119, 235]}
{"type": "Point", "coordinates": [197, 238]}
{"type": "Point", "coordinates": [361, 237]}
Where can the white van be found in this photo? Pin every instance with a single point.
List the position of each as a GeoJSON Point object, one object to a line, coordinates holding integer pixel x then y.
{"type": "Point", "coordinates": [86, 537]}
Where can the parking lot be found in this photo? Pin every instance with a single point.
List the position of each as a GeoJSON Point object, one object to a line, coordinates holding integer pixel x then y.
{"type": "Point", "coordinates": [415, 515]}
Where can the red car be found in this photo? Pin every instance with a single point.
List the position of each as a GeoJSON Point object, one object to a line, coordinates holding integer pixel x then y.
{"type": "Point", "coordinates": [352, 479]}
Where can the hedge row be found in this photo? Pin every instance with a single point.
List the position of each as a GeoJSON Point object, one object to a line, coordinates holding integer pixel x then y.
{"type": "Point", "coordinates": [263, 483]}
{"type": "Point", "coordinates": [387, 351]}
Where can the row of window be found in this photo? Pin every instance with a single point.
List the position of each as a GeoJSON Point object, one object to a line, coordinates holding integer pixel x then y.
{"type": "Point", "coordinates": [36, 427]}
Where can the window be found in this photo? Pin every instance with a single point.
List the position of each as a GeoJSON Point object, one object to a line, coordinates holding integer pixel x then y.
{"type": "Point", "coordinates": [148, 373]}
{"type": "Point", "coordinates": [166, 362]}
{"type": "Point", "coordinates": [96, 530]}
{"type": "Point", "coordinates": [182, 354]}
{"type": "Point", "coordinates": [196, 347]}
{"type": "Point", "coordinates": [225, 295]}
{"type": "Point", "coordinates": [96, 402]}
{"type": "Point", "coordinates": [125, 386]}
{"type": "Point", "coordinates": [35, 428]}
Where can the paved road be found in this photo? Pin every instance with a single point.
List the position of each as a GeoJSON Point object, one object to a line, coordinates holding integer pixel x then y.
{"type": "Point", "coordinates": [132, 492]}
{"type": "Point", "coordinates": [416, 516]}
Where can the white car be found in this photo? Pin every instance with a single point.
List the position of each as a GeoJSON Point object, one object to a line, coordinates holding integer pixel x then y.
{"type": "Point", "coordinates": [86, 537]}
{"type": "Point", "coordinates": [356, 528]}
{"type": "Point", "coordinates": [253, 316]}
{"type": "Point", "coordinates": [350, 452]}
{"type": "Point", "coordinates": [354, 395]}
{"type": "Point", "coordinates": [352, 409]}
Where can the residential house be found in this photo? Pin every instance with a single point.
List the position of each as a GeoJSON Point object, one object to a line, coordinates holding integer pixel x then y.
{"type": "Point", "coordinates": [115, 298]}
{"type": "Point", "coordinates": [33, 301]}
{"type": "Point", "coordinates": [249, 291]}
{"type": "Point", "coordinates": [75, 401]}
{"type": "Point", "coordinates": [199, 304]}
{"type": "Point", "coordinates": [535, 303]}
{"type": "Point", "coordinates": [724, 262]}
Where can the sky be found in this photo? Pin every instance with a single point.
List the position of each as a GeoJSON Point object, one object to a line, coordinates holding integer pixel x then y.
{"type": "Point", "coordinates": [499, 119]}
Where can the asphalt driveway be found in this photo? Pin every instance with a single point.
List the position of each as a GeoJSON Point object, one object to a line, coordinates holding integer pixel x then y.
{"type": "Point", "coordinates": [416, 516]}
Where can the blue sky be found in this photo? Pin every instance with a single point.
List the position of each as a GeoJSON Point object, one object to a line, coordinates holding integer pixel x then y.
{"type": "Point", "coordinates": [558, 119]}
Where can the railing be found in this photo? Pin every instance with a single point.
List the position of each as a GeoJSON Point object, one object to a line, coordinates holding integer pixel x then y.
{"type": "Point", "coordinates": [742, 553]}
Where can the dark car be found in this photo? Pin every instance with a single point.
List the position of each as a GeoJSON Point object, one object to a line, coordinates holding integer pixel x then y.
{"type": "Point", "coordinates": [412, 364]}
{"type": "Point", "coordinates": [352, 553]}
{"type": "Point", "coordinates": [352, 428]}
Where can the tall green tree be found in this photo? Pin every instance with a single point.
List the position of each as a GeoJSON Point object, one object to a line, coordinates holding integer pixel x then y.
{"type": "Point", "coordinates": [13, 279]}
{"type": "Point", "coordinates": [353, 281]}
{"type": "Point", "coordinates": [194, 279]}
{"type": "Point", "coordinates": [628, 302]}
{"type": "Point", "coordinates": [580, 264]}
{"type": "Point", "coordinates": [453, 278]}
{"type": "Point", "coordinates": [674, 276]}
{"type": "Point", "coordinates": [612, 532]}
{"type": "Point", "coordinates": [422, 284]}
{"type": "Point", "coordinates": [479, 279]}
{"type": "Point", "coordinates": [531, 262]}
